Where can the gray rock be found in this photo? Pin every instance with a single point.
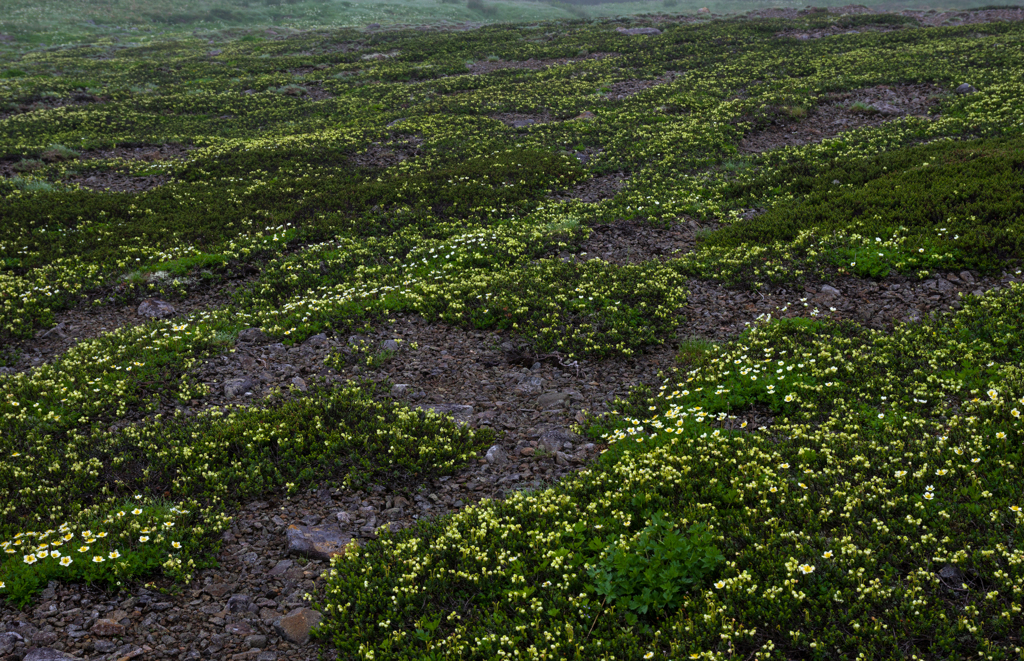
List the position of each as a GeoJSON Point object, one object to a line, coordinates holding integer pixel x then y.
{"type": "Point", "coordinates": [390, 345]}
{"type": "Point", "coordinates": [886, 108]}
{"type": "Point", "coordinates": [554, 440]}
{"type": "Point", "coordinates": [561, 459]}
{"type": "Point", "coordinates": [267, 656]}
{"type": "Point", "coordinates": [551, 400]}
{"type": "Point", "coordinates": [637, 31]}
{"type": "Point", "coordinates": [251, 335]}
{"type": "Point", "coordinates": [496, 455]}
{"type": "Point", "coordinates": [296, 625]}
{"type": "Point", "coordinates": [235, 387]}
{"type": "Point", "coordinates": [43, 638]}
{"type": "Point", "coordinates": [153, 308]}
{"type": "Point", "coordinates": [318, 341]}
{"type": "Point", "coordinates": [256, 640]}
{"type": "Point", "coordinates": [299, 383]}
{"type": "Point", "coordinates": [107, 627]}
{"type": "Point", "coordinates": [46, 654]}
{"type": "Point", "coordinates": [830, 292]}
{"type": "Point", "coordinates": [239, 628]}
{"type": "Point", "coordinates": [281, 567]}
{"type": "Point", "coordinates": [8, 640]}
{"type": "Point", "coordinates": [529, 384]}
{"type": "Point", "coordinates": [103, 646]}
{"type": "Point", "coordinates": [318, 542]}
{"type": "Point", "coordinates": [965, 89]}
{"type": "Point", "coordinates": [953, 577]}
{"type": "Point", "coordinates": [238, 603]}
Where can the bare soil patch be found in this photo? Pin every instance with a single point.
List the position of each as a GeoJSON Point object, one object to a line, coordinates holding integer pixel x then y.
{"type": "Point", "coordinates": [520, 120]}
{"type": "Point", "coordinates": [716, 312]}
{"type": "Point", "coordinates": [316, 92]}
{"type": "Point", "coordinates": [387, 154]}
{"type": "Point", "coordinates": [840, 113]}
{"type": "Point", "coordinates": [632, 241]}
{"type": "Point", "coordinates": [150, 153]}
{"type": "Point", "coordinates": [113, 181]}
{"type": "Point", "coordinates": [627, 88]}
{"type": "Point", "coordinates": [87, 322]}
{"type": "Point", "coordinates": [595, 189]}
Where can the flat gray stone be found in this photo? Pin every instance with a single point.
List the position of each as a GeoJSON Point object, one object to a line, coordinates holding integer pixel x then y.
{"type": "Point", "coordinates": [551, 400]}
{"type": "Point", "coordinates": [296, 625]}
{"type": "Point", "coordinates": [318, 542]}
{"type": "Point", "coordinates": [251, 335]}
{"type": "Point", "coordinates": [830, 291]}
{"type": "Point", "coordinates": [153, 308]}
{"type": "Point", "coordinates": [496, 455]}
{"type": "Point", "coordinates": [237, 387]}
{"type": "Point", "coordinates": [46, 654]}
{"type": "Point", "coordinates": [555, 440]}
{"type": "Point", "coordinates": [319, 341]}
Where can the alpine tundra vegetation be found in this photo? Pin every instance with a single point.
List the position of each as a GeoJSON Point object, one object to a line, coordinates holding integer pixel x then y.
{"type": "Point", "coordinates": [819, 218]}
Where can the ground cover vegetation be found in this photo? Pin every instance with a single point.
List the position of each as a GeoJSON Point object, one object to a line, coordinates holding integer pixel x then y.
{"type": "Point", "coordinates": [386, 176]}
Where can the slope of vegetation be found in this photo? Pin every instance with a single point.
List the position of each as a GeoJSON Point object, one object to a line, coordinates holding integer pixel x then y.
{"type": "Point", "coordinates": [353, 175]}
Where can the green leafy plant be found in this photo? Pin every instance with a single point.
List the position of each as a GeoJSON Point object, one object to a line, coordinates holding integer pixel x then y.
{"type": "Point", "coordinates": [652, 572]}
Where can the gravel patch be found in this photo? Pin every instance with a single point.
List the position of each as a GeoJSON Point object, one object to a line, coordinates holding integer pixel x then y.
{"type": "Point", "coordinates": [838, 113]}
{"type": "Point", "coordinates": [87, 322]}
